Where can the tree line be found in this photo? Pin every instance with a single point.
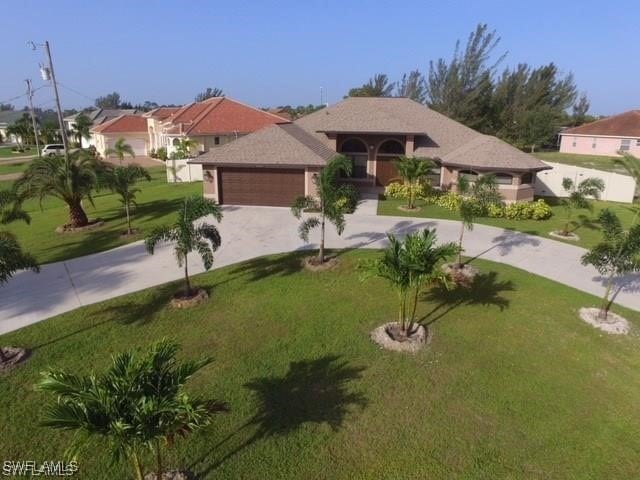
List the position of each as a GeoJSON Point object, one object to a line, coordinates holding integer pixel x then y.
{"type": "Point", "coordinates": [524, 105]}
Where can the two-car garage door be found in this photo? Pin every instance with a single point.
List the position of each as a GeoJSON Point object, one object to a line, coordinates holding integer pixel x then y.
{"type": "Point", "coordinates": [260, 186]}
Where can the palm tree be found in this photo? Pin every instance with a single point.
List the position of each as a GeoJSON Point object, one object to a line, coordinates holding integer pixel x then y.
{"type": "Point", "coordinates": [121, 180]}
{"type": "Point", "coordinates": [135, 405]}
{"type": "Point", "coordinates": [632, 165]}
{"type": "Point", "coordinates": [49, 132]}
{"type": "Point", "coordinates": [184, 147]}
{"type": "Point", "coordinates": [408, 265]}
{"type": "Point", "coordinates": [120, 149]}
{"type": "Point", "coordinates": [618, 254]}
{"type": "Point", "coordinates": [203, 238]}
{"type": "Point", "coordinates": [71, 182]}
{"type": "Point", "coordinates": [578, 197]}
{"type": "Point", "coordinates": [413, 170]}
{"type": "Point", "coordinates": [82, 128]}
{"type": "Point", "coordinates": [476, 198]}
{"type": "Point", "coordinates": [327, 203]}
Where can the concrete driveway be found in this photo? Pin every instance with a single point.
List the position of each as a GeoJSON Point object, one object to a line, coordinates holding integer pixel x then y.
{"type": "Point", "coordinates": [249, 232]}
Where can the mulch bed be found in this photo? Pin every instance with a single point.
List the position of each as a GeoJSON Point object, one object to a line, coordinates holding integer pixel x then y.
{"type": "Point", "coordinates": [389, 336]}
{"type": "Point", "coordinates": [312, 263]}
{"type": "Point", "coordinates": [171, 475]}
{"type": "Point", "coordinates": [134, 232]}
{"type": "Point", "coordinates": [571, 236]}
{"type": "Point", "coordinates": [405, 208]}
{"type": "Point", "coordinates": [613, 323]}
{"type": "Point", "coordinates": [15, 356]}
{"type": "Point", "coordinates": [92, 225]}
{"type": "Point", "coordinates": [180, 300]}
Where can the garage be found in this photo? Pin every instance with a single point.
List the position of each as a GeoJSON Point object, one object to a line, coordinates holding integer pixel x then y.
{"type": "Point", "coordinates": [139, 146]}
{"type": "Point", "coordinates": [277, 187]}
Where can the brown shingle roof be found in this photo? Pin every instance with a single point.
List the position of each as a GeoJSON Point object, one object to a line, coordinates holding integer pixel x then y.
{"type": "Point", "coordinates": [285, 144]}
{"type": "Point", "coordinates": [626, 124]}
{"type": "Point", "coordinates": [123, 124]}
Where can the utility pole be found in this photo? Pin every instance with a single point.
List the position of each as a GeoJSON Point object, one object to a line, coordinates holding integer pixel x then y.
{"type": "Point", "coordinates": [49, 74]}
{"type": "Point", "coordinates": [33, 116]}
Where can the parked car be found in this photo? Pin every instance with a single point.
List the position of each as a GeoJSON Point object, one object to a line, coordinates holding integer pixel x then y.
{"type": "Point", "coordinates": [52, 149]}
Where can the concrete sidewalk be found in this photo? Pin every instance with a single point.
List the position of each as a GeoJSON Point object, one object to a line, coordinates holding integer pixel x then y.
{"type": "Point", "coordinates": [249, 232]}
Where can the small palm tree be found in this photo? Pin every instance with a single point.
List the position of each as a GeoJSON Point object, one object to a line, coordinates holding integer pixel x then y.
{"type": "Point", "coordinates": [632, 165]}
{"type": "Point", "coordinates": [476, 198]}
{"type": "Point", "coordinates": [578, 197]}
{"type": "Point", "coordinates": [327, 203]}
{"type": "Point", "coordinates": [618, 254]}
{"type": "Point", "coordinates": [138, 403]}
{"type": "Point", "coordinates": [408, 266]}
{"type": "Point", "coordinates": [121, 180]}
{"type": "Point", "coordinates": [72, 182]}
{"type": "Point", "coordinates": [120, 149]}
{"type": "Point", "coordinates": [184, 147]}
{"type": "Point", "coordinates": [413, 171]}
{"type": "Point", "coordinates": [203, 238]}
{"type": "Point", "coordinates": [82, 128]}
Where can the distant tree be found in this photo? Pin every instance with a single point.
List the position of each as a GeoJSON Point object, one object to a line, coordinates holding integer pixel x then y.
{"type": "Point", "coordinates": [377, 86]}
{"type": "Point", "coordinates": [6, 107]}
{"type": "Point", "coordinates": [412, 85]}
{"type": "Point", "coordinates": [617, 254]}
{"type": "Point", "coordinates": [203, 238]}
{"type": "Point", "coordinates": [111, 100]}
{"type": "Point", "coordinates": [413, 171]}
{"type": "Point", "coordinates": [126, 105]}
{"type": "Point", "coordinates": [120, 149]}
{"type": "Point", "coordinates": [580, 110]}
{"type": "Point", "coordinates": [461, 88]}
{"type": "Point", "coordinates": [50, 132]}
{"type": "Point", "coordinates": [184, 148]}
{"type": "Point", "coordinates": [121, 180]}
{"type": "Point", "coordinates": [209, 93]}
{"type": "Point", "coordinates": [578, 197]}
{"type": "Point", "coordinates": [81, 128]}
{"type": "Point", "coordinates": [537, 127]}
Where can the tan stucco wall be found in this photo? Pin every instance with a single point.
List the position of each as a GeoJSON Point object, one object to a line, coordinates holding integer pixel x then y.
{"type": "Point", "coordinates": [107, 140]}
{"type": "Point", "coordinates": [310, 188]}
{"type": "Point", "coordinates": [210, 182]}
{"type": "Point", "coordinates": [596, 145]}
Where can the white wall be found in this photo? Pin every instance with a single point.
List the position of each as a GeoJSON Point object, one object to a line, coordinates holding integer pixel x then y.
{"type": "Point", "coordinates": [184, 172]}
{"type": "Point", "coordinates": [618, 188]}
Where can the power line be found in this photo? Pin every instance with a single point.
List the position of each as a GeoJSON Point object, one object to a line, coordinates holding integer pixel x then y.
{"type": "Point", "coordinates": [93, 99]}
{"type": "Point", "coordinates": [9, 100]}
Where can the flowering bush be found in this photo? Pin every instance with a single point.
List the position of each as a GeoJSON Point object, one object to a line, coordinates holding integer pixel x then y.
{"type": "Point", "coordinates": [495, 210]}
{"type": "Point", "coordinates": [450, 201]}
{"type": "Point", "coordinates": [402, 191]}
{"type": "Point", "coordinates": [538, 210]}
{"type": "Point", "coordinates": [541, 210]}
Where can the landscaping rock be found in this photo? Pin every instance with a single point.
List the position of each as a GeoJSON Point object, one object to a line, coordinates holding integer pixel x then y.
{"type": "Point", "coordinates": [311, 263]}
{"type": "Point", "coordinates": [416, 340]}
{"type": "Point", "coordinates": [613, 324]}
{"type": "Point", "coordinates": [171, 475]}
{"type": "Point", "coordinates": [92, 225]}
{"type": "Point", "coordinates": [571, 237]}
{"type": "Point", "coordinates": [15, 356]}
{"type": "Point", "coordinates": [181, 301]}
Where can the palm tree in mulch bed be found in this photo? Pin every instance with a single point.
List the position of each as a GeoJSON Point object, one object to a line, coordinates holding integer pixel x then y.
{"type": "Point", "coordinates": [188, 236]}
{"type": "Point", "coordinates": [121, 180]}
{"type": "Point", "coordinates": [413, 171]}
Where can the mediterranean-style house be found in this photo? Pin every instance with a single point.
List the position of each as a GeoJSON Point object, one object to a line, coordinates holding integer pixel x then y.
{"type": "Point", "coordinates": [211, 123]}
{"type": "Point", "coordinates": [133, 128]}
{"type": "Point", "coordinates": [98, 116]}
{"type": "Point", "coordinates": [610, 136]}
{"type": "Point", "coordinates": [276, 164]}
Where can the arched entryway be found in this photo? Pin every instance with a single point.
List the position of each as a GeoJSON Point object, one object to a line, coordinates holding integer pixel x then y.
{"type": "Point", "coordinates": [356, 150]}
{"type": "Point", "coordinates": [388, 152]}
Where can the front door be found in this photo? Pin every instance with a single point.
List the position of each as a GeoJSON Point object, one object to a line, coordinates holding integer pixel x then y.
{"type": "Point", "coordinates": [386, 171]}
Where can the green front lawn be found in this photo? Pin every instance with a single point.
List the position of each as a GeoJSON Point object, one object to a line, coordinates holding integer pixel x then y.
{"type": "Point", "coordinates": [588, 229]}
{"type": "Point", "coordinates": [599, 162]}
{"type": "Point", "coordinates": [7, 152]}
{"type": "Point", "coordinates": [157, 203]}
{"type": "Point", "coordinates": [13, 167]}
{"type": "Point", "coordinates": [513, 384]}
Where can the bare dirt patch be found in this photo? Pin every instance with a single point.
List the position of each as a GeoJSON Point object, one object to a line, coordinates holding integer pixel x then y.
{"type": "Point", "coordinates": [314, 265]}
{"type": "Point", "coordinates": [14, 356]}
{"type": "Point", "coordinates": [181, 301]}
{"type": "Point", "coordinates": [92, 225]}
{"type": "Point", "coordinates": [613, 323]}
{"type": "Point", "coordinates": [389, 337]}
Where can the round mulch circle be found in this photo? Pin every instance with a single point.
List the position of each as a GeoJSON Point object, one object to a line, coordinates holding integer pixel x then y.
{"type": "Point", "coordinates": [571, 237]}
{"type": "Point", "coordinates": [171, 475]}
{"type": "Point", "coordinates": [386, 336]}
{"type": "Point", "coordinates": [311, 263]}
{"type": "Point", "coordinates": [92, 225]}
{"type": "Point", "coordinates": [179, 300]}
{"type": "Point", "coordinates": [134, 232]}
{"type": "Point", "coordinates": [462, 274]}
{"type": "Point", "coordinates": [405, 208]}
{"type": "Point", "coordinates": [14, 356]}
{"type": "Point", "coordinates": [613, 324]}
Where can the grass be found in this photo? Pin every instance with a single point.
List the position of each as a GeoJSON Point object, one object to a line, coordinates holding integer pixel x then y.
{"type": "Point", "coordinates": [157, 203]}
{"type": "Point", "coordinates": [513, 384]}
{"type": "Point", "coordinates": [598, 162]}
{"type": "Point", "coordinates": [6, 152]}
{"type": "Point", "coordinates": [586, 227]}
{"type": "Point", "coordinates": [13, 167]}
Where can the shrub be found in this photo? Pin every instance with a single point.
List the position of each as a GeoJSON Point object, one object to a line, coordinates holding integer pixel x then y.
{"type": "Point", "coordinates": [401, 191]}
{"type": "Point", "coordinates": [153, 153]}
{"type": "Point", "coordinates": [349, 197]}
{"type": "Point", "coordinates": [161, 153]}
{"type": "Point", "coordinates": [541, 210]}
{"type": "Point", "coordinates": [495, 210]}
{"type": "Point", "coordinates": [538, 210]}
{"type": "Point", "coordinates": [450, 201]}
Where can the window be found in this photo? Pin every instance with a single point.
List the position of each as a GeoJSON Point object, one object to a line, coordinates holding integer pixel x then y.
{"type": "Point", "coordinates": [216, 141]}
{"type": "Point", "coordinates": [625, 144]}
{"type": "Point", "coordinates": [504, 179]}
{"type": "Point", "coordinates": [527, 179]}
{"type": "Point", "coordinates": [469, 175]}
{"type": "Point", "coordinates": [356, 150]}
{"type": "Point", "coordinates": [391, 147]}
{"type": "Point", "coordinates": [593, 143]}
{"type": "Point", "coordinates": [638, 142]}
{"type": "Point", "coordinates": [176, 142]}
{"type": "Point", "coordinates": [573, 144]}
{"type": "Point", "coordinates": [434, 176]}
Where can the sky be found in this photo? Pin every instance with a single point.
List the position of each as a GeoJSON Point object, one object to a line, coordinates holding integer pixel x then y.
{"type": "Point", "coordinates": [270, 53]}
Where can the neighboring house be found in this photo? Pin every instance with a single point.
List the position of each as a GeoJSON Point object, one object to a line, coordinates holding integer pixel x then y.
{"type": "Point", "coordinates": [276, 164]}
{"type": "Point", "coordinates": [133, 128]}
{"type": "Point", "coordinates": [97, 116]}
{"type": "Point", "coordinates": [7, 118]}
{"type": "Point", "coordinates": [609, 136]}
{"type": "Point", "coordinates": [211, 123]}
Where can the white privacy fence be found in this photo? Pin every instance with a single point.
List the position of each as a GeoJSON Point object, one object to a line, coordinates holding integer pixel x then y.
{"type": "Point", "coordinates": [618, 188]}
{"type": "Point", "coordinates": [180, 171]}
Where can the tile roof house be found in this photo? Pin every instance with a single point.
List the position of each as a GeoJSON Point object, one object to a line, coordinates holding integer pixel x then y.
{"type": "Point", "coordinates": [211, 123]}
{"type": "Point", "coordinates": [97, 116]}
{"type": "Point", "coordinates": [7, 118]}
{"type": "Point", "coordinates": [608, 136]}
{"type": "Point", "coordinates": [277, 164]}
{"type": "Point", "coordinates": [133, 128]}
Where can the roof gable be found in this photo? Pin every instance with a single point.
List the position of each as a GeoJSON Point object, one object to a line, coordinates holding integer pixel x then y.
{"type": "Point", "coordinates": [626, 124]}
{"type": "Point", "coordinates": [123, 124]}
